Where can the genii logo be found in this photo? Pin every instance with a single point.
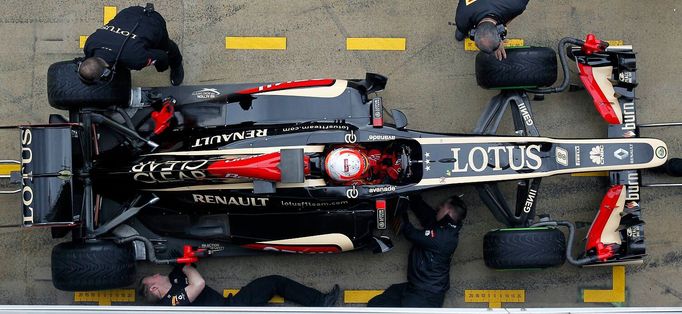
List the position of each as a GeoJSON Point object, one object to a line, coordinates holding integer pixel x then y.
{"type": "Point", "coordinates": [206, 93]}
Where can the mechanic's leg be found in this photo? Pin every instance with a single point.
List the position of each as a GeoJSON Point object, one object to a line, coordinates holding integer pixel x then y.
{"type": "Point", "coordinates": [261, 290]}
{"type": "Point", "coordinates": [390, 298]}
{"type": "Point", "coordinates": [177, 74]}
{"type": "Point", "coordinates": [418, 298]}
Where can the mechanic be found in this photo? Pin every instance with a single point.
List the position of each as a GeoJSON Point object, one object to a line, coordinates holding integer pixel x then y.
{"type": "Point", "coordinates": [134, 39]}
{"type": "Point", "coordinates": [485, 22]}
{"type": "Point", "coordinates": [358, 165]}
{"type": "Point", "coordinates": [185, 286]}
{"type": "Point", "coordinates": [428, 269]}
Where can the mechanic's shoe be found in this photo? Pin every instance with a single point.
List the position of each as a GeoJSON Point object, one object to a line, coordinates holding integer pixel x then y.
{"type": "Point", "coordinates": [673, 167]}
{"type": "Point", "coordinates": [177, 75]}
{"type": "Point", "coordinates": [332, 297]}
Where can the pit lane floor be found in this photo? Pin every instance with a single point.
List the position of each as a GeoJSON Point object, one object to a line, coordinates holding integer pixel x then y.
{"type": "Point", "coordinates": [432, 81]}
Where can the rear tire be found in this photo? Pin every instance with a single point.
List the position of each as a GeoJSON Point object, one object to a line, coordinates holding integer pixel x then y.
{"type": "Point", "coordinates": [524, 248]}
{"type": "Point", "coordinates": [66, 91]}
{"type": "Point", "coordinates": [523, 68]}
{"type": "Point", "coordinates": [92, 266]}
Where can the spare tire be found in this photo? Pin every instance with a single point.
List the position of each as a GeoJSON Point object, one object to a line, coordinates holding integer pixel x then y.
{"type": "Point", "coordinates": [526, 67]}
{"type": "Point", "coordinates": [519, 248]}
{"type": "Point", "coordinates": [66, 91]}
{"type": "Point", "coordinates": [92, 266]}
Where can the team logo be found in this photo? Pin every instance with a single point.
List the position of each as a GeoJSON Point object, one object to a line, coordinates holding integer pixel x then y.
{"type": "Point", "coordinates": [352, 192]}
{"type": "Point", "coordinates": [561, 156]}
{"type": "Point", "coordinates": [629, 134]}
{"type": "Point", "coordinates": [621, 154]}
{"type": "Point", "coordinates": [597, 155]}
{"type": "Point", "coordinates": [206, 93]}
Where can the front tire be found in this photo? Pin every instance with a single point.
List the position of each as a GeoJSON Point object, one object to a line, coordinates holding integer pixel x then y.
{"type": "Point", "coordinates": [92, 266]}
{"type": "Point", "coordinates": [527, 67]}
{"type": "Point", "coordinates": [519, 248]}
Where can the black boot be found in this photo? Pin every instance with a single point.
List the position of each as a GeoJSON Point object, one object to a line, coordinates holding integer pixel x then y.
{"type": "Point", "coordinates": [331, 297]}
{"type": "Point", "coordinates": [177, 75]}
{"type": "Point", "coordinates": [673, 167]}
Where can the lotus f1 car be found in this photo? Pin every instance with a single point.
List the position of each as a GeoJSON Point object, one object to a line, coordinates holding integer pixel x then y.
{"type": "Point", "coordinates": [167, 174]}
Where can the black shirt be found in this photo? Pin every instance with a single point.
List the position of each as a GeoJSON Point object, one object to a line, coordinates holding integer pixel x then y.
{"type": "Point", "coordinates": [470, 12]}
{"type": "Point", "coordinates": [147, 43]}
{"type": "Point", "coordinates": [429, 261]}
{"type": "Point", "coordinates": [178, 296]}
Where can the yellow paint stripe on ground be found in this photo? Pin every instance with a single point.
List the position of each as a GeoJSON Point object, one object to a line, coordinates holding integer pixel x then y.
{"type": "Point", "coordinates": [109, 13]}
{"type": "Point", "coordinates": [256, 43]}
{"type": "Point", "coordinates": [395, 44]}
{"type": "Point", "coordinates": [6, 169]}
{"type": "Point", "coordinates": [81, 41]}
{"type": "Point", "coordinates": [275, 299]}
{"type": "Point", "coordinates": [494, 298]}
{"type": "Point", "coordinates": [105, 297]}
{"type": "Point", "coordinates": [470, 45]}
{"type": "Point", "coordinates": [359, 296]}
{"type": "Point", "coordinates": [615, 295]}
{"type": "Point", "coordinates": [591, 174]}
{"type": "Point", "coordinates": [615, 42]}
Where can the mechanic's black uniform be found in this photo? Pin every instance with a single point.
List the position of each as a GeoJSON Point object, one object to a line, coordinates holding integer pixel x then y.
{"type": "Point", "coordinates": [428, 269]}
{"type": "Point", "coordinates": [469, 15]}
{"type": "Point", "coordinates": [148, 44]}
{"type": "Point", "coordinates": [256, 293]}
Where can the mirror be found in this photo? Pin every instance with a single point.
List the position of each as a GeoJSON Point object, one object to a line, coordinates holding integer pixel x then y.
{"type": "Point", "coordinates": [399, 118]}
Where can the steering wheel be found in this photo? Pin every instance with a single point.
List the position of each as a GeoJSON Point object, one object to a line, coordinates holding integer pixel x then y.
{"type": "Point", "coordinates": [405, 164]}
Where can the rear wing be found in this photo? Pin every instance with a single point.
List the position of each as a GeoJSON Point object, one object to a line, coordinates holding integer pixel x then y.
{"type": "Point", "coordinates": [50, 196]}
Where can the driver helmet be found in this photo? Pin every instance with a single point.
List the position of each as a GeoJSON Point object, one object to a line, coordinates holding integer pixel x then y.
{"type": "Point", "coordinates": [346, 164]}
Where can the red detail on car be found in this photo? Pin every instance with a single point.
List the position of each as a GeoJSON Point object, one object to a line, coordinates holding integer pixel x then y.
{"type": "Point", "coordinates": [600, 101]}
{"type": "Point", "coordinates": [592, 45]}
{"type": "Point", "coordinates": [190, 255]}
{"type": "Point", "coordinates": [380, 204]}
{"type": "Point", "coordinates": [162, 118]}
{"type": "Point", "coordinates": [264, 167]}
{"type": "Point", "coordinates": [287, 85]}
{"type": "Point", "coordinates": [607, 206]}
{"type": "Point", "coordinates": [294, 248]}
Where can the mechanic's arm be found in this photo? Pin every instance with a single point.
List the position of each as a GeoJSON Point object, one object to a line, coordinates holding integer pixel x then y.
{"type": "Point", "coordinates": [159, 59]}
{"type": "Point", "coordinates": [425, 214]}
{"type": "Point", "coordinates": [195, 284]}
{"type": "Point", "coordinates": [423, 238]}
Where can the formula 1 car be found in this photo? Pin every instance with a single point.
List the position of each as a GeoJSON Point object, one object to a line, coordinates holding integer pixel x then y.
{"type": "Point", "coordinates": [171, 174]}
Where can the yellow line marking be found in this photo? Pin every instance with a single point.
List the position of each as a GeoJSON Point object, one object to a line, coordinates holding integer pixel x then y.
{"type": "Point", "coordinates": [591, 174]}
{"type": "Point", "coordinates": [6, 169]}
{"type": "Point", "coordinates": [615, 42]}
{"type": "Point", "coordinates": [81, 41]}
{"type": "Point", "coordinates": [494, 298]}
{"type": "Point", "coordinates": [470, 45]}
{"type": "Point", "coordinates": [615, 295]}
{"type": "Point", "coordinates": [105, 297]}
{"type": "Point", "coordinates": [359, 296]}
{"type": "Point", "coordinates": [256, 43]}
{"type": "Point", "coordinates": [109, 13]}
{"type": "Point", "coordinates": [275, 299]}
{"type": "Point", "coordinates": [395, 44]}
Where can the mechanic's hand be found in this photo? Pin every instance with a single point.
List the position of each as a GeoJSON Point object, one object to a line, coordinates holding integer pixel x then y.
{"type": "Point", "coordinates": [500, 53]}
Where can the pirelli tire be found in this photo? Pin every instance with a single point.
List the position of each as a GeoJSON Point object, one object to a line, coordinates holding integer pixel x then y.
{"type": "Point", "coordinates": [66, 91]}
{"type": "Point", "coordinates": [526, 67]}
{"type": "Point", "coordinates": [522, 248]}
{"type": "Point", "coordinates": [92, 266]}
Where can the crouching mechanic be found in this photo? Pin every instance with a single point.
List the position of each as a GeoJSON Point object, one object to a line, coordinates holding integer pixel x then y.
{"type": "Point", "coordinates": [485, 22]}
{"type": "Point", "coordinates": [185, 286]}
{"type": "Point", "coordinates": [428, 268]}
{"type": "Point", "coordinates": [134, 39]}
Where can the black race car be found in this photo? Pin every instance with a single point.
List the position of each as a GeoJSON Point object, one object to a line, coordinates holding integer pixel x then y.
{"type": "Point", "coordinates": [171, 174]}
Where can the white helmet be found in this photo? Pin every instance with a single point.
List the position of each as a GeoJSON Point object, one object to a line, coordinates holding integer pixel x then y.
{"type": "Point", "coordinates": [346, 164]}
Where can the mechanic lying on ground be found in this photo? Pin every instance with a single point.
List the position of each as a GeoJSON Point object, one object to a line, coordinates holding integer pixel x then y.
{"type": "Point", "coordinates": [485, 22]}
{"type": "Point", "coordinates": [185, 286]}
{"type": "Point", "coordinates": [135, 38]}
{"type": "Point", "coordinates": [428, 269]}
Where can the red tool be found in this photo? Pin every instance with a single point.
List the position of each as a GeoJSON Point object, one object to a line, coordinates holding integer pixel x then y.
{"type": "Point", "coordinates": [163, 116]}
{"type": "Point", "coordinates": [190, 255]}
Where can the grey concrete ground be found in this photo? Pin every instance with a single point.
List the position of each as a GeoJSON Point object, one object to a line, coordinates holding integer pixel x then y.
{"type": "Point", "coordinates": [432, 81]}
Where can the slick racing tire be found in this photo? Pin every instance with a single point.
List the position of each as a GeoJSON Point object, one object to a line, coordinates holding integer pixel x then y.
{"type": "Point", "coordinates": [92, 266]}
{"type": "Point", "coordinates": [66, 91]}
{"type": "Point", "coordinates": [524, 248]}
{"type": "Point", "coordinates": [527, 67]}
